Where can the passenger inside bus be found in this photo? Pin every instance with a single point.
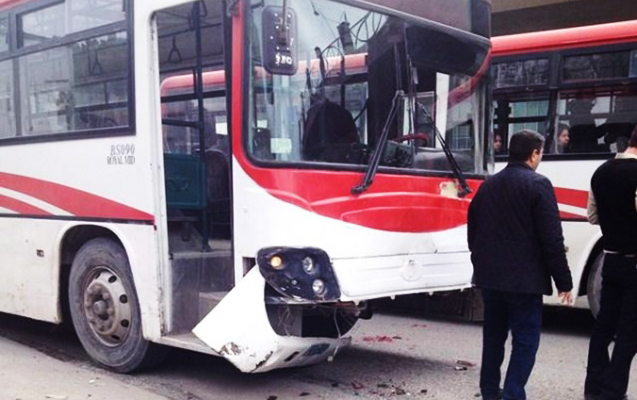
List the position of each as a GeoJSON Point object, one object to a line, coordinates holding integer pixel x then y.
{"type": "Point", "coordinates": [584, 134]}
{"type": "Point", "coordinates": [498, 148]}
{"type": "Point", "coordinates": [620, 123]}
{"type": "Point", "coordinates": [562, 139]}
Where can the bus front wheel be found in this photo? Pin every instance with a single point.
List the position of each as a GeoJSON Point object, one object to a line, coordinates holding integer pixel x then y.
{"type": "Point", "coordinates": [594, 284]}
{"type": "Point", "coordinates": [104, 308]}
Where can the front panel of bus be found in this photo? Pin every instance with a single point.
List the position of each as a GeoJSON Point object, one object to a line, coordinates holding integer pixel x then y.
{"type": "Point", "coordinates": [341, 85]}
{"type": "Point", "coordinates": [357, 140]}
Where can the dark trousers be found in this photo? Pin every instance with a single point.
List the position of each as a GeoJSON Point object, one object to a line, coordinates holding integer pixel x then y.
{"type": "Point", "coordinates": [608, 376]}
{"type": "Point", "coordinates": [522, 315]}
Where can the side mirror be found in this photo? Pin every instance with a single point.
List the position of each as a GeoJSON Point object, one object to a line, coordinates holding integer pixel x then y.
{"type": "Point", "coordinates": [279, 40]}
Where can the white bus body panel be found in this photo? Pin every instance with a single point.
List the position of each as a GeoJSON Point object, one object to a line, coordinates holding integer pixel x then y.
{"type": "Point", "coordinates": [368, 263]}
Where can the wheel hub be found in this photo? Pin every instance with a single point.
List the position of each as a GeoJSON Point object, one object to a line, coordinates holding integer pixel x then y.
{"type": "Point", "coordinates": [106, 307]}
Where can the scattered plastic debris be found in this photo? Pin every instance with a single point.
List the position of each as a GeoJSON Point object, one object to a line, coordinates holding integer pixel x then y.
{"type": "Point", "coordinates": [357, 385]}
{"type": "Point", "coordinates": [378, 338]}
{"type": "Point", "coordinates": [465, 363]}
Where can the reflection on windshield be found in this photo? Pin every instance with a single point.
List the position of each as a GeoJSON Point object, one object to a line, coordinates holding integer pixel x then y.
{"type": "Point", "coordinates": [349, 64]}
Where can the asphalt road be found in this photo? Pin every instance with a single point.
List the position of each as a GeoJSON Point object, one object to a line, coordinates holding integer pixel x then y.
{"type": "Point", "coordinates": [392, 356]}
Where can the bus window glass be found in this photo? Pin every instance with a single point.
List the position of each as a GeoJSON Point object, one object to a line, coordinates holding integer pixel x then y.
{"type": "Point", "coordinates": [85, 15]}
{"type": "Point", "coordinates": [61, 19]}
{"type": "Point", "coordinates": [41, 25]}
{"type": "Point", "coordinates": [596, 66]}
{"type": "Point", "coordinates": [7, 109]}
{"type": "Point", "coordinates": [177, 58]}
{"type": "Point", "coordinates": [597, 122]}
{"type": "Point", "coordinates": [75, 87]}
{"type": "Point", "coordinates": [514, 114]}
{"type": "Point", "coordinates": [4, 35]}
{"type": "Point", "coordinates": [352, 70]}
{"type": "Point", "coordinates": [520, 73]}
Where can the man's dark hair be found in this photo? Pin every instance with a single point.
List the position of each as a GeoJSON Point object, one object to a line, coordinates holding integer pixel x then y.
{"type": "Point", "coordinates": [523, 143]}
{"type": "Point", "coordinates": [633, 138]}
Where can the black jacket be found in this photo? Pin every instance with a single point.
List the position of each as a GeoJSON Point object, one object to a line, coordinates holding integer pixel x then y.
{"type": "Point", "coordinates": [515, 234]}
{"type": "Point", "coordinates": [614, 185]}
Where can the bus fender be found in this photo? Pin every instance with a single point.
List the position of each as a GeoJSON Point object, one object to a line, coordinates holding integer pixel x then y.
{"type": "Point", "coordinates": [238, 327]}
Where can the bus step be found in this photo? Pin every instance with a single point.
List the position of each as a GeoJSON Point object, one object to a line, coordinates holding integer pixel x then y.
{"type": "Point", "coordinates": [188, 341]}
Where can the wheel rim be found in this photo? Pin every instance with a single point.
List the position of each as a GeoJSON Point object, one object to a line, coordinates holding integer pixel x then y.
{"type": "Point", "coordinates": [106, 306]}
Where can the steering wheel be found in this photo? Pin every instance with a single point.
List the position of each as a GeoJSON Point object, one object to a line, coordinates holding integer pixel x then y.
{"type": "Point", "coordinates": [419, 136]}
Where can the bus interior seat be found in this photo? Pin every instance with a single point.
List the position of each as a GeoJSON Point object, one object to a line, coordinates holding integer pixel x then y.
{"type": "Point", "coordinates": [330, 133]}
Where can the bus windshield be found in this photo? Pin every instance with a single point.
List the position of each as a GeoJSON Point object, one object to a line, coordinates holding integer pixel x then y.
{"type": "Point", "coordinates": [325, 90]}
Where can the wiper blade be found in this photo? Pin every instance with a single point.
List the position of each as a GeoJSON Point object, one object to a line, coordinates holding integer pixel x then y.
{"type": "Point", "coordinates": [465, 189]}
{"type": "Point", "coordinates": [380, 147]}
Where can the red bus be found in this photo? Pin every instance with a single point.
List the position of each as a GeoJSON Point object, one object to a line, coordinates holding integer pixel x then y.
{"type": "Point", "coordinates": [578, 87]}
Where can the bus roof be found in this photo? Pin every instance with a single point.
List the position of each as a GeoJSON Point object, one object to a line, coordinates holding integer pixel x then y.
{"type": "Point", "coordinates": [585, 36]}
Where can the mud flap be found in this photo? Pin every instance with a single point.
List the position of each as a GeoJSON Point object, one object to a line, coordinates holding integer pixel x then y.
{"type": "Point", "coordinates": [239, 330]}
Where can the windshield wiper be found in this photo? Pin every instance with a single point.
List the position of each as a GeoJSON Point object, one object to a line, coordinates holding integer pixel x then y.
{"type": "Point", "coordinates": [380, 147]}
{"type": "Point", "coordinates": [465, 190]}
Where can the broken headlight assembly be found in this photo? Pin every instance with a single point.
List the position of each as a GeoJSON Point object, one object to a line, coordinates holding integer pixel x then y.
{"type": "Point", "coordinates": [299, 273]}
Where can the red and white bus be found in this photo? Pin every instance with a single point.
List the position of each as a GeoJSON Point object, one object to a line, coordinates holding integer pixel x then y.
{"type": "Point", "coordinates": [235, 177]}
{"type": "Point", "coordinates": [578, 87]}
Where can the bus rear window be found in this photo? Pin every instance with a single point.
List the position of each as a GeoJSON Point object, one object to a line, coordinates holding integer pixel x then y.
{"type": "Point", "coordinates": [521, 73]}
{"type": "Point", "coordinates": [620, 64]}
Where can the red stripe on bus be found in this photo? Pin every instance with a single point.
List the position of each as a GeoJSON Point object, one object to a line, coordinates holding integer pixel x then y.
{"type": "Point", "coordinates": [74, 201]}
{"type": "Point", "coordinates": [9, 3]}
{"type": "Point", "coordinates": [572, 197]}
{"type": "Point", "coordinates": [570, 216]}
{"type": "Point", "coordinates": [20, 207]}
{"type": "Point", "coordinates": [585, 36]}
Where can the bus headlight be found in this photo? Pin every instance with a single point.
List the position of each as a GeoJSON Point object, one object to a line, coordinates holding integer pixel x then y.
{"type": "Point", "coordinates": [318, 286]}
{"type": "Point", "coordinates": [308, 265]}
{"type": "Point", "coordinates": [299, 273]}
{"type": "Point", "coordinates": [276, 262]}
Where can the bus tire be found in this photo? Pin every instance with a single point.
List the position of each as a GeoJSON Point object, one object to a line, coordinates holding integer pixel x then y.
{"type": "Point", "coordinates": [594, 284]}
{"type": "Point", "coordinates": [104, 308]}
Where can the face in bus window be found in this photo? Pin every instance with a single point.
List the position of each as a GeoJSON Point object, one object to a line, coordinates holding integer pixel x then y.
{"type": "Point", "coordinates": [497, 144]}
{"type": "Point", "coordinates": [562, 140]}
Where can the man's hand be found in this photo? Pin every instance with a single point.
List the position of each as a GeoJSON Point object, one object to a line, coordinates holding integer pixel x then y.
{"type": "Point", "coordinates": [566, 298]}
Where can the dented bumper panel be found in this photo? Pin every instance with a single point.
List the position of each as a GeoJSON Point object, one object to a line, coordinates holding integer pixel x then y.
{"type": "Point", "coordinates": [374, 277]}
{"type": "Point", "coordinates": [239, 330]}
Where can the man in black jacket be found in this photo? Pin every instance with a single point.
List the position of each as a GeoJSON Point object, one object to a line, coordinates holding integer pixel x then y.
{"type": "Point", "coordinates": [516, 243]}
{"type": "Point", "coordinates": [613, 205]}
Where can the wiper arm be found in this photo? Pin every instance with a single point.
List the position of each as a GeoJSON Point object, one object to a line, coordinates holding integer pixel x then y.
{"type": "Point", "coordinates": [465, 189]}
{"type": "Point", "coordinates": [380, 146]}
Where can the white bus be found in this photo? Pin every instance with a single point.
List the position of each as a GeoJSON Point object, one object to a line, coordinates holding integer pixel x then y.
{"type": "Point", "coordinates": [235, 177]}
{"type": "Point", "coordinates": [578, 87]}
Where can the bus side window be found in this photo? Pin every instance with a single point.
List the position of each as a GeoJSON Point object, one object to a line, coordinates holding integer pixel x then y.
{"type": "Point", "coordinates": [584, 135]}
{"type": "Point", "coordinates": [515, 114]}
{"type": "Point", "coordinates": [598, 122]}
